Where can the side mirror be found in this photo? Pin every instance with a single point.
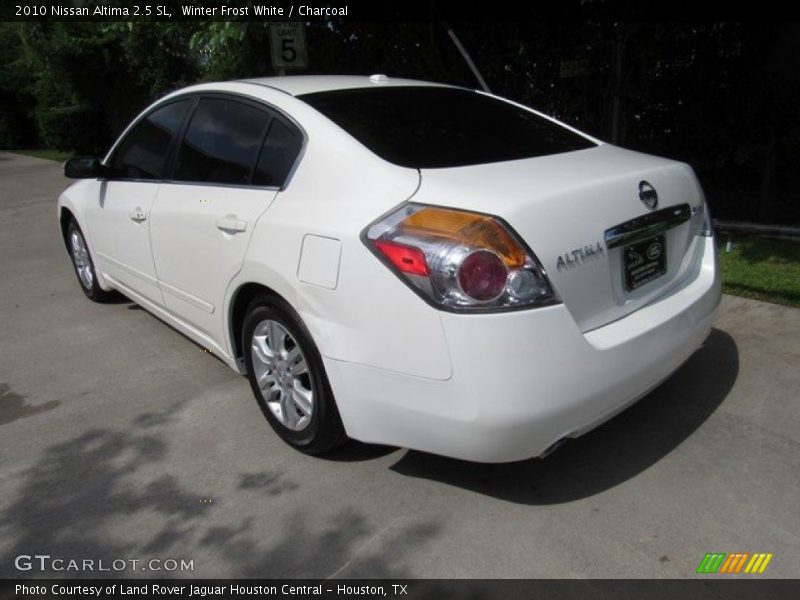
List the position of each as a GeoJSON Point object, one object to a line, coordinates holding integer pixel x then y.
{"type": "Point", "coordinates": [85, 167]}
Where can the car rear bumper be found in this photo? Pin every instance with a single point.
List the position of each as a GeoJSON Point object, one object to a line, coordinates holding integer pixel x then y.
{"type": "Point", "coordinates": [524, 380]}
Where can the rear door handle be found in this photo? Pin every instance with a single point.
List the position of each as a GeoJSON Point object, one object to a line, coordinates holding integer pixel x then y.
{"type": "Point", "coordinates": [231, 224]}
{"type": "Point", "coordinates": [137, 214]}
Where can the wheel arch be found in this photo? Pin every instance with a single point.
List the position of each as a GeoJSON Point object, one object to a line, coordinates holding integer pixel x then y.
{"type": "Point", "coordinates": [334, 432]}
{"type": "Point", "coordinates": [65, 216]}
{"type": "Point", "coordinates": [68, 213]}
{"type": "Point", "coordinates": [240, 300]}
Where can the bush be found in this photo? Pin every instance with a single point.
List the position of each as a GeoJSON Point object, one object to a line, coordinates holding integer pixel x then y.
{"type": "Point", "coordinates": [8, 136]}
{"type": "Point", "coordinates": [78, 128]}
{"type": "Point", "coordinates": [17, 129]}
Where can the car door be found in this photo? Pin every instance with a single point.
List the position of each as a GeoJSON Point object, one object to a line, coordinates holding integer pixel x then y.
{"type": "Point", "coordinates": [230, 164]}
{"type": "Point", "coordinates": [119, 222]}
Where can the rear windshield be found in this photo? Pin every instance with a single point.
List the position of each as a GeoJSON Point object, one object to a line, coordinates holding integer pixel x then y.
{"type": "Point", "coordinates": [433, 127]}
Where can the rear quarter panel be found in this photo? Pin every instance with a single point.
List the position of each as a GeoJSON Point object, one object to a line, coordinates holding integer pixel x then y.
{"type": "Point", "coordinates": [370, 316]}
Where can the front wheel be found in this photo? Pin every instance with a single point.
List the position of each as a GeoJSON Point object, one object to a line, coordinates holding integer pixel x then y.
{"type": "Point", "coordinates": [288, 379]}
{"type": "Point", "coordinates": [84, 266]}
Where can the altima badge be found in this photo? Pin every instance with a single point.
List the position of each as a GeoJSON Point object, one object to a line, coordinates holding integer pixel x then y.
{"type": "Point", "coordinates": [579, 256]}
{"type": "Point", "coordinates": [648, 195]}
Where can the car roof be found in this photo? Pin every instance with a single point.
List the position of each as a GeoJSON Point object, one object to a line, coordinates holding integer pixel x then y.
{"type": "Point", "coordinates": [297, 85]}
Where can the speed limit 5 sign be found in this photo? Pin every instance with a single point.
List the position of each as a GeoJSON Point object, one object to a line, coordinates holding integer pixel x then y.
{"type": "Point", "coordinates": [288, 43]}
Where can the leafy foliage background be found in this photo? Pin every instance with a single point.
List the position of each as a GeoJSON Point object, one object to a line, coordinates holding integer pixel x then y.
{"type": "Point", "coordinates": [721, 96]}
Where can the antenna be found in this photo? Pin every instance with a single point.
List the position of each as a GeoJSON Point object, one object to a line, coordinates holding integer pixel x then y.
{"type": "Point", "coordinates": [467, 59]}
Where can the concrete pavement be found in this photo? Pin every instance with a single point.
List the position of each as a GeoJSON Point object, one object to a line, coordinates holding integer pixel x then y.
{"type": "Point", "coordinates": [121, 439]}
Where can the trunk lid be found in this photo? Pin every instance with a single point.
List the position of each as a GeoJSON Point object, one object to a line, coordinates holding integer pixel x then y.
{"type": "Point", "coordinates": [580, 213]}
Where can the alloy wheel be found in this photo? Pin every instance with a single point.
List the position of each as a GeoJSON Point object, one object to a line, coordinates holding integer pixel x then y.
{"type": "Point", "coordinates": [281, 372]}
{"type": "Point", "coordinates": [80, 256]}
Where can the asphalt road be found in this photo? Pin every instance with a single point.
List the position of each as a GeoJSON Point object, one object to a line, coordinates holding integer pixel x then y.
{"type": "Point", "coordinates": [122, 439]}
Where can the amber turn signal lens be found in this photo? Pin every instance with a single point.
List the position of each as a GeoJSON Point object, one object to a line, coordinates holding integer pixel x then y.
{"type": "Point", "coordinates": [469, 228]}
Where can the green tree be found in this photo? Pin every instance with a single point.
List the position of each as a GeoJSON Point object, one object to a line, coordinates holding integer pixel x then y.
{"type": "Point", "coordinates": [102, 75]}
{"type": "Point", "coordinates": [17, 125]}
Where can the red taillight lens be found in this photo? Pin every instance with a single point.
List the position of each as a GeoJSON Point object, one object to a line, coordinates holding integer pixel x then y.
{"type": "Point", "coordinates": [482, 275]}
{"type": "Point", "coordinates": [460, 260]}
{"type": "Point", "coordinates": [406, 258]}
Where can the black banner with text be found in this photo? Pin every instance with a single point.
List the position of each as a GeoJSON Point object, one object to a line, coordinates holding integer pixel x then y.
{"type": "Point", "coordinates": [416, 589]}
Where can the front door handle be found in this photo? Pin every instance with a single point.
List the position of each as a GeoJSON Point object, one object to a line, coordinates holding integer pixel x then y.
{"type": "Point", "coordinates": [230, 224]}
{"type": "Point", "coordinates": [137, 214]}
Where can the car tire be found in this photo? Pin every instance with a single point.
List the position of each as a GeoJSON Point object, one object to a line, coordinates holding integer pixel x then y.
{"type": "Point", "coordinates": [288, 378]}
{"type": "Point", "coordinates": [84, 265]}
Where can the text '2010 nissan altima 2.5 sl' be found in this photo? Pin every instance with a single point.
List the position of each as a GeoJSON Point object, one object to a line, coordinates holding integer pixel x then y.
{"type": "Point", "coordinates": [401, 262]}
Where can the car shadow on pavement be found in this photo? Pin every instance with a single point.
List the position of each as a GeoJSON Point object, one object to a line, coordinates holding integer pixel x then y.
{"type": "Point", "coordinates": [354, 451]}
{"type": "Point", "coordinates": [609, 455]}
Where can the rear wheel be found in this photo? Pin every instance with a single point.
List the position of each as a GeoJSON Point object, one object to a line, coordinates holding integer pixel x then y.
{"type": "Point", "coordinates": [288, 378]}
{"type": "Point", "coordinates": [84, 266]}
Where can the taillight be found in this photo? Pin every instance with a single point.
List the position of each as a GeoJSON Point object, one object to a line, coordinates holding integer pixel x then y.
{"type": "Point", "coordinates": [701, 221]}
{"type": "Point", "coordinates": [482, 275]}
{"type": "Point", "coordinates": [707, 229]}
{"type": "Point", "coordinates": [460, 260]}
{"type": "Point", "coordinates": [405, 258]}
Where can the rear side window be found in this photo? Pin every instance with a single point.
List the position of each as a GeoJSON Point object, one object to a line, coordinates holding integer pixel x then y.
{"type": "Point", "coordinates": [222, 142]}
{"type": "Point", "coordinates": [280, 151]}
{"type": "Point", "coordinates": [434, 127]}
{"type": "Point", "coordinates": [142, 154]}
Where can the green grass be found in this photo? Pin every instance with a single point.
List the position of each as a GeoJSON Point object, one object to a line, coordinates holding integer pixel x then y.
{"type": "Point", "coordinates": [45, 153]}
{"type": "Point", "coordinates": [762, 269]}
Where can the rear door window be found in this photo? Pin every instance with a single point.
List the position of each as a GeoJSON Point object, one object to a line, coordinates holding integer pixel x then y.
{"type": "Point", "coordinates": [222, 142]}
{"type": "Point", "coordinates": [278, 155]}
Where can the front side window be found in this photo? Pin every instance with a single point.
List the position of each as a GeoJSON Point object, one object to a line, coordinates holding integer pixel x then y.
{"type": "Point", "coordinates": [222, 142]}
{"type": "Point", "coordinates": [143, 152]}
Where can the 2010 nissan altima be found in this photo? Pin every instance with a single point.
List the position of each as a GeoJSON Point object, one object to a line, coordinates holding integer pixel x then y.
{"type": "Point", "coordinates": [401, 262]}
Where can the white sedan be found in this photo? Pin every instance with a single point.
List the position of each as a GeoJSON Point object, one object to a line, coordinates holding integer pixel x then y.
{"type": "Point", "coordinates": [401, 262]}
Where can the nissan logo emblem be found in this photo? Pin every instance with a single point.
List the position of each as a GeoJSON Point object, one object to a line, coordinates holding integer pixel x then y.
{"type": "Point", "coordinates": [648, 195]}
